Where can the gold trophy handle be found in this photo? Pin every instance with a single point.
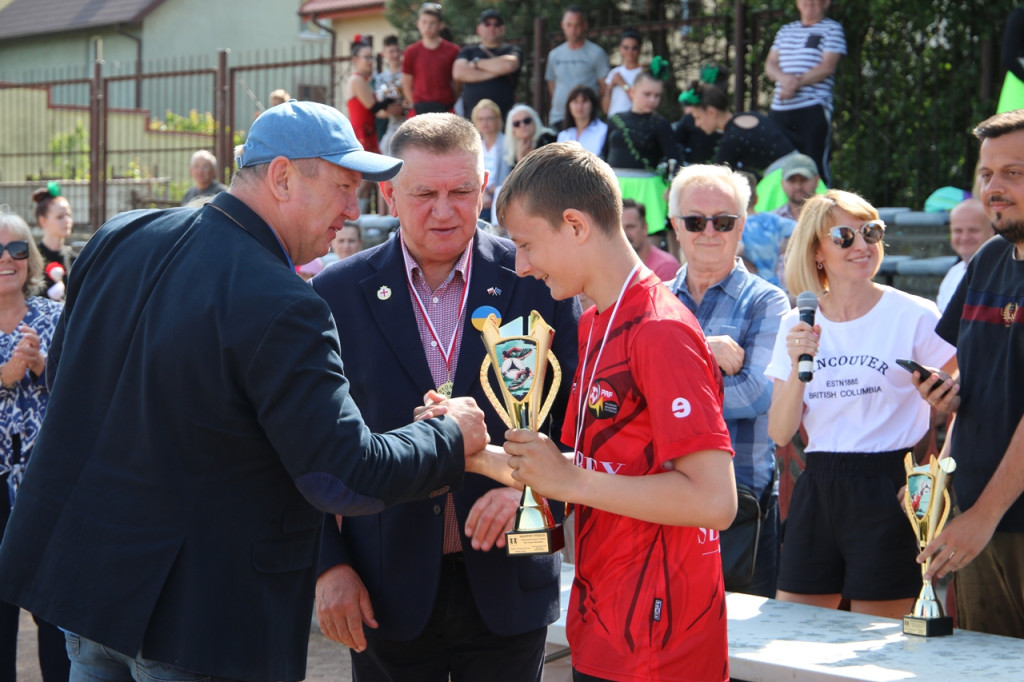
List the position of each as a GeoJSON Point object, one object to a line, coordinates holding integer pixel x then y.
{"type": "Point", "coordinates": [931, 529]}
{"type": "Point", "coordinates": [485, 384]}
{"type": "Point", "coordinates": [556, 381]}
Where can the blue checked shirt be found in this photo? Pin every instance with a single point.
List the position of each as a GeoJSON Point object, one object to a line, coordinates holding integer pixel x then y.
{"type": "Point", "coordinates": [748, 309]}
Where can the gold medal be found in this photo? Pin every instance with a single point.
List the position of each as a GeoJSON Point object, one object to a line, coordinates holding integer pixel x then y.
{"type": "Point", "coordinates": [445, 389]}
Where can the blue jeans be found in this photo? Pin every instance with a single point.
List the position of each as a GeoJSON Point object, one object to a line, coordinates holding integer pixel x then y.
{"type": "Point", "coordinates": [93, 662]}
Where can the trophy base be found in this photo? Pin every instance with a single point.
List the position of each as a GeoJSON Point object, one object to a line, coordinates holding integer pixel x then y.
{"type": "Point", "coordinates": [927, 627]}
{"type": "Point", "coordinates": [532, 542]}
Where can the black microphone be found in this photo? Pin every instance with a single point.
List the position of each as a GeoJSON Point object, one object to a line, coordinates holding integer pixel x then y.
{"type": "Point", "coordinates": [807, 302]}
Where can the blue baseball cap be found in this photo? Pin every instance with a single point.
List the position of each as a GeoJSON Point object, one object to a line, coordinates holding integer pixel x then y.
{"type": "Point", "coordinates": [310, 130]}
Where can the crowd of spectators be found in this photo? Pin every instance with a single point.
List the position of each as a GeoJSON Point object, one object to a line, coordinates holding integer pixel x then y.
{"type": "Point", "coordinates": [845, 539]}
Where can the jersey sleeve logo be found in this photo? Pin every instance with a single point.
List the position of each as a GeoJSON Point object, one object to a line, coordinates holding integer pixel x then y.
{"type": "Point", "coordinates": [681, 408]}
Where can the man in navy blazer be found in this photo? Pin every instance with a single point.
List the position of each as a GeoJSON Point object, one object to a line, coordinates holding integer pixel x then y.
{"type": "Point", "coordinates": [199, 416]}
{"type": "Point", "coordinates": [437, 603]}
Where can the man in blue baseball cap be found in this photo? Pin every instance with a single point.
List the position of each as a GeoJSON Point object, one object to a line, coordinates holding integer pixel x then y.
{"type": "Point", "coordinates": [200, 419]}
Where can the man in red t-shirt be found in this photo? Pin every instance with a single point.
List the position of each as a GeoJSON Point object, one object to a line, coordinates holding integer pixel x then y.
{"type": "Point", "coordinates": [651, 473]}
{"type": "Point", "coordinates": [427, 65]}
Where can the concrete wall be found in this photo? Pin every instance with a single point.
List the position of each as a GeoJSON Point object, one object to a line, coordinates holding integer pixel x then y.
{"type": "Point", "coordinates": [204, 26]}
{"type": "Point", "coordinates": [75, 52]}
{"type": "Point", "coordinates": [187, 32]}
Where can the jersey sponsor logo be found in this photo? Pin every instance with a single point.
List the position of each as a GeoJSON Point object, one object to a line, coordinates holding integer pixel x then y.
{"type": "Point", "coordinates": [708, 539]}
{"type": "Point", "coordinates": [681, 408]}
{"type": "Point", "coordinates": [602, 401]}
{"type": "Point", "coordinates": [591, 464]}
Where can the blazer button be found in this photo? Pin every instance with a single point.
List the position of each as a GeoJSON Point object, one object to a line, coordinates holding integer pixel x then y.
{"type": "Point", "coordinates": [437, 509]}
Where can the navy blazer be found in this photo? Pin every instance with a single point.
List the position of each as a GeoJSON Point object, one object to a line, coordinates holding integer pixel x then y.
{"type": "Point", "coordinates": [397, 553]}
{"type": "Point", "coordinates": [198, 413]}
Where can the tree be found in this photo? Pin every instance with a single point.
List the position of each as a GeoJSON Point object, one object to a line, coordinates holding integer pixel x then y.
{"type": "Point", "coordinates": [918, 76]}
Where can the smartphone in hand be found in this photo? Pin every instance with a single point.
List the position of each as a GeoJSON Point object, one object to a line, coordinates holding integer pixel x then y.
{"type": "Point", "coordinates": [912, 366]}
{"type": "Point", "coordinates": [924, 373]}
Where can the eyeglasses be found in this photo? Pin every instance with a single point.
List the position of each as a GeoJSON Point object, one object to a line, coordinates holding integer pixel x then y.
{"type": "Point", "coordinates": [434, 7]}
{"type": "Point", "coordinates": [721, 222]}
{"type": "Point", "coordinates": [18, 250]}
{"type": "Point", "coordinates": [843, 235]}
{"type": "Point", "coordinates": [528, 121]}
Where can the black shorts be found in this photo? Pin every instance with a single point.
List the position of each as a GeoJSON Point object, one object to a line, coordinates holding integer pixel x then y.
{"type": "Point", "coordinates": [846, 532]}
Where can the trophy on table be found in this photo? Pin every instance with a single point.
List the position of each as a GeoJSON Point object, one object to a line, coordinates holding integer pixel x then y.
{"type": "Point", "coordinates": [927, 505]}
{"type": "Point", "coordinates": [521, 361]}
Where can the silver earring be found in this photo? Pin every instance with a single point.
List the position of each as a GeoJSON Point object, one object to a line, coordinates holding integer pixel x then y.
{"type": "Point", "coordinates": [820, 266]}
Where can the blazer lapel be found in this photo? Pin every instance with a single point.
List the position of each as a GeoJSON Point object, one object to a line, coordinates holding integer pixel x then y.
{"type": "Point", "coordinates": [387, 297]}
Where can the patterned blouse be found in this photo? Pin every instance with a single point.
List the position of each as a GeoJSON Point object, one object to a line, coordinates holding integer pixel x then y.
{"type": "Point", "coordinates": [22, 406]}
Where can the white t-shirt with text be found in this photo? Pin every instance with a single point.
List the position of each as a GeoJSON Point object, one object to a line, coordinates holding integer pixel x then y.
{"type": "Point", "coordinates": [860, 400]}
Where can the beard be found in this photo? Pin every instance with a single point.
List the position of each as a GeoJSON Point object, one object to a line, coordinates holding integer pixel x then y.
{"type": "Point", "coordinates": [1010, 230]}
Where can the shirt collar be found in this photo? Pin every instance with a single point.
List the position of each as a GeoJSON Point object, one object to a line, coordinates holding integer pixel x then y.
{"type": "Point", "coordinates": [732, 285]}
{"type": "Point", "coordinates": [412, 268]}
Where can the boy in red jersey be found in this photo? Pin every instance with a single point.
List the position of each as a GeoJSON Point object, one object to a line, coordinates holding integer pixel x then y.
{"type": "Point", "coordinates": [651, 473]}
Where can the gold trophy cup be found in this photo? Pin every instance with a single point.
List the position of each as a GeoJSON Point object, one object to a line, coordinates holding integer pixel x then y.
{"type": "Point", "coordinates": [521, 363]}
{"type": "Point", "coordinates": [927, 506]}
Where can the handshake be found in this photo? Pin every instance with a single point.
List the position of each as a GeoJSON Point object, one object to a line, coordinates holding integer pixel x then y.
{"type": "Point", "coordinates": [528, 457]}
{"type": "Point", "coordinates": [465, 412]}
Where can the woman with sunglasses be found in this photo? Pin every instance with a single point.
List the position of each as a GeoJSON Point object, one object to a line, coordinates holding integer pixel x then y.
{"type": "Point", "coordinates": [524, 133]}
{"type": "Point", "coordinates": [27, 322]}
{"type": "Point", "coordinates": [53, 215]}
{"type": "Point", "coordinates": [846, 534]}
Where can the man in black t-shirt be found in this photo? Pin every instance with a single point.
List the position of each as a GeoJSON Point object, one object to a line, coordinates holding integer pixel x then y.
{"type": "Point", "coordinates": [489, 69]}
{"type": "Point", "coordinates": [985, 319]}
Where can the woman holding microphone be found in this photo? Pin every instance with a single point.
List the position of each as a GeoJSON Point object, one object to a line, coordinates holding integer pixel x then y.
{"type": "Point", "coordinates": [846, 533]}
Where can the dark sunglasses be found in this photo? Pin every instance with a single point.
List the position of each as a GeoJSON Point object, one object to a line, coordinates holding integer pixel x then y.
{"type": "Point", "coordinates": [721, 222]}
{"type": "Point", "coordinates": [18, 250]}
{"type": "Point", "coordinates": [492, 24]}
{"type": "Point", "coordinates": [843, 235]}
{"type": "Point", "coordinates": [523, 122]}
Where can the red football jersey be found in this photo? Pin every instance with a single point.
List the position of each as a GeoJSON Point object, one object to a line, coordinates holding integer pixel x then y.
{"type": "Point", "coordinates": [648, 601]}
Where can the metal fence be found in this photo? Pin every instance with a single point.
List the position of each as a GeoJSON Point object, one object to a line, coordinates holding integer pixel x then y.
{"type": "Point", "coordinates": [141, 125]}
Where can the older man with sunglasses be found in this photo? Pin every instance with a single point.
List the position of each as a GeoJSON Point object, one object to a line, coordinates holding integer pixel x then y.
{"type": "Point", "coordinates": [739, 313]}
